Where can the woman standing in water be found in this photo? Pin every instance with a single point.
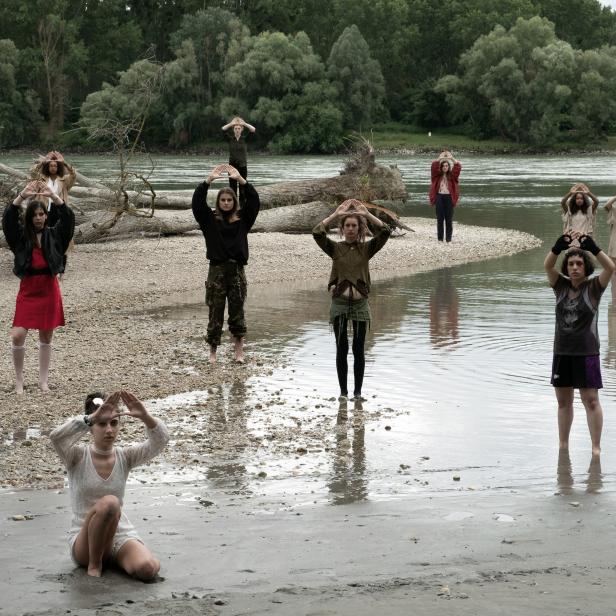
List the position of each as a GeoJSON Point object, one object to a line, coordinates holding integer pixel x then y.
{"type": "Point", "coordinates": [445, 192]}
{"type": "Point", "coordinates": [38, 259]}
{"type": "Point", "coordinates": [611, 249]}
{"type": "Point", "coordinates": [579, 207]}
{"type": "Point", "coordinates": [100, 531]}
{"type": "Point", "coordinates": [349, 282]}
{"type": "Point", "coordinates": [226, 241]}
{"type": "Point", "coordinates": [576, 363]}
{"type": "Point", "coordinates": [238, 155]}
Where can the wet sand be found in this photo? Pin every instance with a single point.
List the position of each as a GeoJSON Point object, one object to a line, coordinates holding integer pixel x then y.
{"type": "Point", "coordinates": [497, 552]}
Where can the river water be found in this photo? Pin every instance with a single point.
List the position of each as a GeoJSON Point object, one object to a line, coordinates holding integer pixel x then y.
{"type": "Point", "coordinates": [458, 360]}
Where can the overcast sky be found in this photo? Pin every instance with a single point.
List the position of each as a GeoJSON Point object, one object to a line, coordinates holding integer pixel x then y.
{"type": "Point", "coordinates": [611, 3]}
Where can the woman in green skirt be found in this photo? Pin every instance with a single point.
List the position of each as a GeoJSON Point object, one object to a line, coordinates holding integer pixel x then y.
{"type": "Point", "coordinates": [349, 282]}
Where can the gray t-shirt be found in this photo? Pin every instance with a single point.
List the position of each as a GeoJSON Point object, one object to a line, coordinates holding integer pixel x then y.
{"type": "Point", "coordinates": [576, 317]}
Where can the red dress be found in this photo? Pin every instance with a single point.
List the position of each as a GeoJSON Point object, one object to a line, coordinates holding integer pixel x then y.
{"type": "Point", "coordinates": [39, 302]}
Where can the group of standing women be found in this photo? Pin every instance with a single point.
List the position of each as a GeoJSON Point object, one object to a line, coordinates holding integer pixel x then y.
{"type": "Point", "coordinates": [40, 238]}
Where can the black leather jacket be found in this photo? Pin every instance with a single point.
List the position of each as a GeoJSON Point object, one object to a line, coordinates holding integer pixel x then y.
{"type": "Point", "coordinates": [55, 239]}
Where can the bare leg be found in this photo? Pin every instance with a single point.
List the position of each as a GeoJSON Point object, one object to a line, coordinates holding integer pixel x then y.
{"type": "Point", "coordinates": [614, 283]}
{"type": "Point", "coordinates": [18, 350]}
{"type": "Point", "coordinates": [95, 538]}
{"type": "Point", "coordinates": [239, 349]}
{"type": "Point", "coordinates": [564, 397]}
{"type": "Point", "coordinates": [138, 561]}
{"type": "Point", "coordinates": [45, 336]}
{"type": "Point", "coordinates": [594, 417]}
{"type": "Point", "coordinates": [212, 354]}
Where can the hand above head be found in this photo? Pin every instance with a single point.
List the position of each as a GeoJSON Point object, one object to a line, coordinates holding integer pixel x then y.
{"type": "Point", "coordinates": [563, 243]}
{"type": "Point", "coordinates": [216, 173]}
{"type": "Point", "coordinates": [344, 207]}
{"type": "Point", "coordinates": [110, 404]}
{"type": "Point", "coordinates": [55, 155]}
{"type": "Point", "coordinates": [134, 405]}
{"type": "Point", "coordinates": [587, 243]}
{"type": "Point", "coordinates": [234, 174]}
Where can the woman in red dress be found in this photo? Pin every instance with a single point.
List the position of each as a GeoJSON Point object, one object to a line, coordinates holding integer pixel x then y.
{"type": "Point", "coordinates": [39, 258]}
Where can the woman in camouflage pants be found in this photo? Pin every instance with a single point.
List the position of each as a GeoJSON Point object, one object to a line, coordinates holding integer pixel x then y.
{"type": "Point", "coordinates": [226, 241]}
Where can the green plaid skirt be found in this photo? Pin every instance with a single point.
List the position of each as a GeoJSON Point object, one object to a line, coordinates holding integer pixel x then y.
{"type": "Point", "coordinates": [352, 309]}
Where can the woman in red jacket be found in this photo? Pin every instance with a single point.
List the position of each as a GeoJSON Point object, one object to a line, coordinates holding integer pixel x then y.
{"type": "Point", "coordinates": [444, 192]}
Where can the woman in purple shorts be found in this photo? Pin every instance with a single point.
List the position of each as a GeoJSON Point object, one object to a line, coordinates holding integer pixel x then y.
{"type": "Point", "coordinates": [576, 341]}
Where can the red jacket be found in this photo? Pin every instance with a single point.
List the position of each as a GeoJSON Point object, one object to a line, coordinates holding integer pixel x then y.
{"type": "Point", "coordinates": [454, 190]}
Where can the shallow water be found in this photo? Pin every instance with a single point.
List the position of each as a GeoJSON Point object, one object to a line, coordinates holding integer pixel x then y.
{"type": "Point", "coordinates": [458, 360]}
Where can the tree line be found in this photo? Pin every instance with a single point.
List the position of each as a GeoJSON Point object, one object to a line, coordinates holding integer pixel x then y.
{"type": "Point", "coordinates": [305, 73]}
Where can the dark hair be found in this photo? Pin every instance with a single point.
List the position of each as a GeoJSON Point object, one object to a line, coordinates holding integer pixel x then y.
{"type": "Point", "coordinates": [589, 267]}
{"type": "Point", "coordinates": [89, 405]}
{"type": "Point", "coordinates": [236, 205]}
{"type": "Point", "coordinates": [31, 209]}
{"type": "Point", "coordinates": [361, 223]}
{"type": "Point", "coordinates": [60, 166]}
{"type": "Point", "coordinates": [574, 207]}
{"type": "Point", "coordinates": [440, 167]}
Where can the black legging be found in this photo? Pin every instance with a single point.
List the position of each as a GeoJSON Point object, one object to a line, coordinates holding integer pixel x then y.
{"type": "Point", "coordinates": [342, 350]}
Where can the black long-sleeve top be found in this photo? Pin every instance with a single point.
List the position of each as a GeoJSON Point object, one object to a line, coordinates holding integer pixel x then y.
{"type": "Point", "coordinates": [225, 241]}
{"type": "Point", "coordinates": [55, 239]}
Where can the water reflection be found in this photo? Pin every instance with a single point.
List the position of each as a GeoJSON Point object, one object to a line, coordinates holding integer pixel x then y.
{"type": "Point", "coordinates": [443, 310]}
{"type": "Point", "coordinates": [227, 428]}
{"type": "Point", "coordinates": [348, 483]}
{"type": "Point", "coordinates": [610, 356]}
{"type": "Point", "coordinates": [564, 474]}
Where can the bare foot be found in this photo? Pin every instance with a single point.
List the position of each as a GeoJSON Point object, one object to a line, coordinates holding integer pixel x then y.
{"type": "Point", "coordinates": [44, 387]}
{"type": "Point", "coordinates": [212, 355]}
{"type": "Point", "coordinates": [19, 389]}
{"type": "Point", "coordinates": [95, 571]}
{"type": "Point", "coordinates": [239, 350]}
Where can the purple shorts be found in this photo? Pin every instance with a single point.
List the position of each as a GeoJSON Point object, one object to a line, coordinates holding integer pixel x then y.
{"type": "Point", "coordinates": [577, 371]}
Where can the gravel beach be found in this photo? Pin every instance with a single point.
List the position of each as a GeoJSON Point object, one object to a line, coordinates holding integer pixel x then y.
{"type": "Point", "coordinates": [114, 338]}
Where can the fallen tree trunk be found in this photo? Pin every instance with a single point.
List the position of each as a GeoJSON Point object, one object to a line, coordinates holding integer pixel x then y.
{"type": "Point", "coordinates": [370, 182]}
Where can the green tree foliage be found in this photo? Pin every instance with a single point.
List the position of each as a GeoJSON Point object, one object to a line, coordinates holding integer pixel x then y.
{"type": "Point", "coordinates": [357, 78]}
{"type": "Point", "coordinates": [19, 116]}
{"type": "Point", "coordinates": [279, 78]}
{"type": "Point", "coordinates": [183, 115]}
{"type": "Point", "coordinates": [137, 94]}
{"type": "Point", "coordinates": [219, 40]}
{"type": "Point", "coordinates": [69, 48]}
{"type": "Point", "coordinates": [525, 84]}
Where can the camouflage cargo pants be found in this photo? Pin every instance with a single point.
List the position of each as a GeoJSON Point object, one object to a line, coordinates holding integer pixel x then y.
{"type": "Point", "coordinates": [225, 283]}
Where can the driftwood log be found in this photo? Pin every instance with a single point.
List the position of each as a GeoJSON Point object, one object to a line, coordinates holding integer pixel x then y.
{"type": "Point", "coordinates": [288, 207]}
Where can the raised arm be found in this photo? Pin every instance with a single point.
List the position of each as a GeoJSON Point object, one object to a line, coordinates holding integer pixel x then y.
{"type": "Point", "coordinates": [65, 438]}
{"type": "Point", "coordinates": [587, 243]}
{"type": "Point", "coordinates": [319, 233]}
{"type": "Point", "coordinates": [381, 236]}
{"type": "Point", "coordinates": [457, 167]}
{"type": "Point", "coordinates": [595, 201]}
{"type": "Point", "coordinates": [158, 435]}
{"type": "Point", "coordinates": [64, 227]}
{"type": "Point", "coordinates": [245, 124]}
{"type": "Point", "coordinates": [201, 211]}
{"type": "Point", "coordinates": [562, 243]}
{"type": "Point", "coordinates": [609, 204]}
{"type": "Point", "coordinates": [564, 202]}
{"type": "Point", "coordinates": [252, 204]}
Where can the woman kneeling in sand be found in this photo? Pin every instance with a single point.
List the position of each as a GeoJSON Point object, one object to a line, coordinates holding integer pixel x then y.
{"type": "Point", "coordinates": [97, 473]}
